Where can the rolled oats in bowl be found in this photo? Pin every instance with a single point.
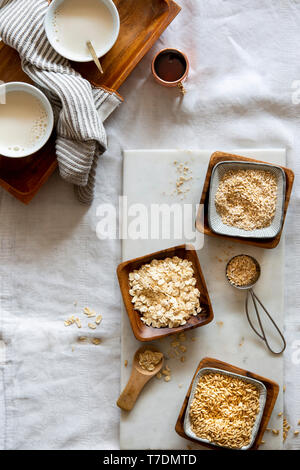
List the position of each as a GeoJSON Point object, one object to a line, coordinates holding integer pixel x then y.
{"type": "Point", "coordinates": [164, 292]}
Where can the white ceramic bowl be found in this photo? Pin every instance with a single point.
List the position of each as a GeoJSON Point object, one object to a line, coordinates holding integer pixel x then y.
{"type": "Point", "coordinates": [25, 87]}
{"type": "Point", "coordinates": [51, 35]}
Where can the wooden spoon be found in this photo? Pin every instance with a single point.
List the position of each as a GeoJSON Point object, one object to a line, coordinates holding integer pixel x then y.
{"type": "Point", "coordinates": [138, 379]}
{"type": "Point", "coordinates": [94, 55]}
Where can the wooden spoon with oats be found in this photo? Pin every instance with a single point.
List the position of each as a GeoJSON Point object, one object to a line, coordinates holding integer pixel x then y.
{"type": "Point", "coordinates": [147, 362]}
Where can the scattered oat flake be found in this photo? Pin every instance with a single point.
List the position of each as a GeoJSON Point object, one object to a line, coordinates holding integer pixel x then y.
{"type": "Point", "coordinates": [182, 337]}
{"type": "Point", "coordinates": [98, 319]}
{"type": "Point", "coordinates": [167, 378]}
{"type": "Point", "coordinates": [90, 313]}
{"type": "Point", "coordinates": [96, 341]}
{"type": "Point", "coordinates": [183, 179]}
{"type": "Point", "coordinates": [286, 428]}
{"type": "Point", "coordinates": [82, 338]}
{"type": "Point", "coordinates": [275, 432]}
{"type": "Point", "coordinates": [296, 433]}
{"type": "Point", "coordinates": [171, 354]}
{"type": "Point", "coordinates": [284, 388]}
{"type": "Point", "coordinates": [78, 322]}
{"type": "Point", "coordinates": [220, 323]}
{"type": "Point", "coordinates": [70, 321]}
{"type": "Point", "coordinates": [182, 359]}
{"type": "Point", "coordinates": [92, 326]}
{"type": "Point", "coordinates": [263, 442]}
{"type": "Point", "coordinates": [280, 414]}
{"type": "Point", "coordinates": [125, 363]}
{"type": "Point", "coordinates": [159, 375]}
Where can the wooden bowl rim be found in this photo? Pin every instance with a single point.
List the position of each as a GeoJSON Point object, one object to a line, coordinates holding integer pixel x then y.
{"type": "Point", "coordinates": [203, 227]}
{"type": "Point", "coordinates": [213, 362]}
{"type": "Point", "coordinates": [204, 292]}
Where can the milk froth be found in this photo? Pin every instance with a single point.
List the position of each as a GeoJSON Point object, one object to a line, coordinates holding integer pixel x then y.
{"type": "Point", "coordinates": [23, 123]}
{"type": "Point", "coordinates": [75, 22]}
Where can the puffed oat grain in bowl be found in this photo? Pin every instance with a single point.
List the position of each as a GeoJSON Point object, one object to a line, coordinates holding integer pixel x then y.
{"type": "Point", "coordinates": [165, 293]}
{"type": "Point", "coordinates": [225, 409]}
{"type": "Point", "coordinates": [246, 199]}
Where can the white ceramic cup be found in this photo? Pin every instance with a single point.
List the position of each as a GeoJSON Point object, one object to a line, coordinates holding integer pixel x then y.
{"type": "Point", "coordinates": [25, 87]}
{"type": "Point", "coordinates": [51, 35]}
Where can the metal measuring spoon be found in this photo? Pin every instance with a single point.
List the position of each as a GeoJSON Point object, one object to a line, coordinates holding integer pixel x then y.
{"type": "Point", "coordinates": [255, 299]}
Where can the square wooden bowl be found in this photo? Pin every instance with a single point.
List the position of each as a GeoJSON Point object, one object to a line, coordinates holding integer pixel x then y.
{"type": "Point", "coordinates": [272, 393]}
{"type": "Point", "coordinates": [202, 216]}
{"type": "Point", "coordinates": [143, 332]}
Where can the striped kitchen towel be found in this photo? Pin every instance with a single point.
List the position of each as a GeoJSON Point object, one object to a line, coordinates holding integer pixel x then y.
{"type": "Point", "coordinates": [80, 109]}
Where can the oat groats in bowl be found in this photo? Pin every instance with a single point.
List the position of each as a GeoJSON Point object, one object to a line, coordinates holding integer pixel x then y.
{"type": "Point", "coordinates": [225, 409]}
{"type": "Point", "coordinates": [164, 293]}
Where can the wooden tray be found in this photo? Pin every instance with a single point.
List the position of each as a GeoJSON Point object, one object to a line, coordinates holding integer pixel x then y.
{"type": "Point", "coordinates": [272, 393]}
{"type": "Point", "coordinates": [202, 218]}
{"type": "Point", "coordinates": [143, 332]}
{"type": "Point", "coordinates": [142, 22]}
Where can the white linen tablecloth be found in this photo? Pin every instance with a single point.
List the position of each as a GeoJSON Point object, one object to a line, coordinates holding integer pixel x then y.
{"type": "Point", "coordinates": [242, 92]}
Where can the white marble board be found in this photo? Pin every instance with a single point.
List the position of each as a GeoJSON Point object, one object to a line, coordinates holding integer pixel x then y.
{"type": "Point", "coordinates": [150, 177]}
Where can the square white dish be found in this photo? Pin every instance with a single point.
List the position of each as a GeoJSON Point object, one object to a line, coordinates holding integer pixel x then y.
{"type": "Point", "coordinates": [262, 402]}
{"type": "Point", "coordinates": [215, 220]}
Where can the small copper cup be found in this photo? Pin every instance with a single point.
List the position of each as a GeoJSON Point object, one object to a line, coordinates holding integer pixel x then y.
{"type": "Point", "coordinates": [177, 82]}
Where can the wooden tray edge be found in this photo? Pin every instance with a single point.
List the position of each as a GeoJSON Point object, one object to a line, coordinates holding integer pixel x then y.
{"type": "Point", "coordinates": [26, 197]}
{"type": "Point", "coordinates": [174, 10]}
